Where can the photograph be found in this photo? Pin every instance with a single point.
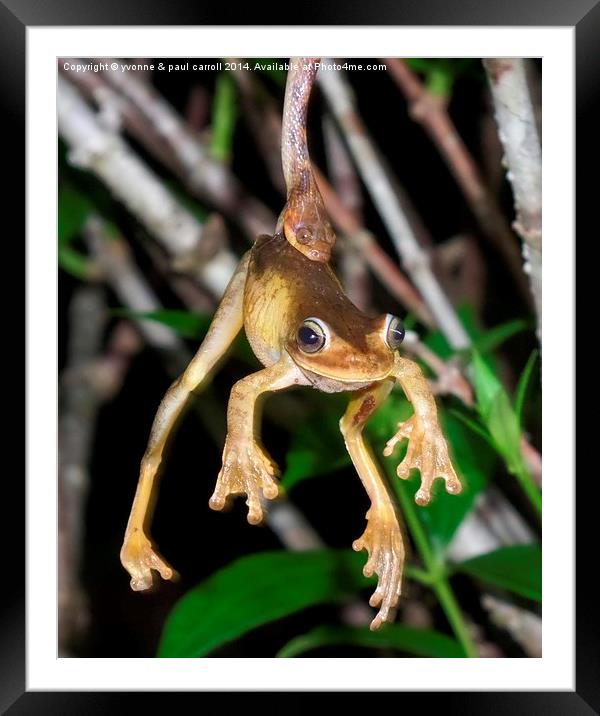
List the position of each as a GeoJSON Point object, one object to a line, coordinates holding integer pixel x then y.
{"type": "Point", "coordinates": [299, 357]}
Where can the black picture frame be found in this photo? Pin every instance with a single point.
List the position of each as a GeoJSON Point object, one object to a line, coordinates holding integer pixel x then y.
{"type": "Point", "coordinates": [15, 17]}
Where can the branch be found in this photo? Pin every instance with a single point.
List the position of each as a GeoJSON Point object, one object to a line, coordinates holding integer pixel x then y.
{"type": "Point", "coordinates": [354, 270]}
{"type": "Point", "coordinates": [450, 380]}
{"type": "Point", "coordinates": [102, 151]}
{"type": "Point", "coordinates": [79, 406]}
{"type": "Point", "coordinates": [204, 176]}
{"type": "Point", "coordinates": [524, 627]}
{"type": "Point", "coordinates": [415, 260]}
{"type": "Point", "coordinates": [432, 113]}
{"type": "Point", "coordinates": [518, 133]}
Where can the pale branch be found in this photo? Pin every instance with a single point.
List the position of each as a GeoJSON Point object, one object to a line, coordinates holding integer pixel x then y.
{"type": "Point", "coordinates": [518, 133]}
{"type": "Point", "coordinates": [103, 152]}
{"type": "Point", "coordinates": [343, 174]}
{"type": "Point", "coordinates": [492, 523]}
{"type": "Point", "coordinates": [415, 260]}
{"type": "Point", "coordinates": [203, 175]}
{"type": "Point", "coordinates": [79, 407]}
{"type": "Point", "coordinates": [523, 626]}
{"type": "Point", "coordinates": [353, 268]}
{"type": "Point", "coordinates": [449, 378]}
{"type": "Point", "coordinates": [431, 112]}
{"type": "Point", "coordinates": [114, 111]}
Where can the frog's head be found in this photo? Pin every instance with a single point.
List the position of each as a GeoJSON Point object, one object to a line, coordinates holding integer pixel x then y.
{"type": "Point", "coordinates": [344, 351]}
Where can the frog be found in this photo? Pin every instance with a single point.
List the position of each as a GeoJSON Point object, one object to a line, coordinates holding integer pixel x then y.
{"type": "Point", "coordinates": [307, 333]}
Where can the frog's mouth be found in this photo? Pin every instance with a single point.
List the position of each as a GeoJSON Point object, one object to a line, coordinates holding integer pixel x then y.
{"type": "Point", "coordinates": [347, 379]}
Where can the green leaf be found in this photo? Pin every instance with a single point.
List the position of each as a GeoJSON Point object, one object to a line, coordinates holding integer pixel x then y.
{"type": "Point", "coordinates": [524, 385]}
{"type": "Point", "coordinates": [73, 210]}
{"type": "Point", "coordinates": [422, 642]}
{"type": "Point", "coordinates": [439, 81]}
{"type": "Point", "coordinates": [497, 413]}
{"type": "Point", "coordinates": [487, 385]}
{"type": "Point", "coordinates": [316, 448]}
{"type": "Point", "coordinates": [474, 425]}
{"type": "Point", "coordinates": [186, 324]}
{"type": "Point", "coordinates": [503, 425]}
{"type": "Point", "coordinates": [73, 262]}
{"type": "Point", "coordinates": [495, 337]}
{"type": "Point", "coordinates": [517, 568]}
{"type": "Point", "coordinates": [223, 118]}
{"type": "Point", "coordinates": [255, 590]}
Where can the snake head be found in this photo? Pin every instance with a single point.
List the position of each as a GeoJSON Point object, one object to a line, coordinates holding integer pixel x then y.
{"type": "Point", "coordinates": [307, 228]}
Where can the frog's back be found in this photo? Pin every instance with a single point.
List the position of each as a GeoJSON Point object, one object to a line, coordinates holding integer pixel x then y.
{"type": "Point", "coordinates": [283, 288]}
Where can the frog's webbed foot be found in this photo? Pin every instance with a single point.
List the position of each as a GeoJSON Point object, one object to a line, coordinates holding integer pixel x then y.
{"type": "Point", "coordinates": [247, 470]}
{"type": "Point", "coordinates": [383, 541]}
{"type": "Point", "coordinates": [428, 452]}
{"type": "Point", "coordinates": [139, 558]}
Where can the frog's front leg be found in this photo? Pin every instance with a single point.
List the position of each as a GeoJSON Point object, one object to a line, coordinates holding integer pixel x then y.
{"type": "Point", "coordinates": [247, 468]}
{"type": "Point", "coordinates": [139, 555]}
{"type": "Point", "coordinates": [427, 449]}
{"type": "Point", "coordinates": [382, 537]}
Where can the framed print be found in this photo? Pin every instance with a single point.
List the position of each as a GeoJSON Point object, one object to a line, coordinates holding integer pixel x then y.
{"type": "Point", "coordinates": [372, 218]}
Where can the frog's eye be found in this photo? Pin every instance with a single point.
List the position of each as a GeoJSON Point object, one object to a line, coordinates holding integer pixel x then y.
{"type": "Point", "coordinates": [312, 336]}
{"type": "Point", "coordinates": [394, 334]}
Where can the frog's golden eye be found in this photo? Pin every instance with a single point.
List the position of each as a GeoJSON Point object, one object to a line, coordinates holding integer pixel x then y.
{"type": "Point", "coordinates": [312, 336]}
{"type": "Point", "coordinates": [394, 334]}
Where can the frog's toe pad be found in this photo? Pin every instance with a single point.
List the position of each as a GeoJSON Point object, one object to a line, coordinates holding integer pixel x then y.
{"type": "Point", "coordinates": [428, 452]}
{"type": "Point", "coordinates": [249, 471]}
{"type": "Point", "coordinates": [383, 541]}
{"type": "Point", "coordinates": [139, 558]}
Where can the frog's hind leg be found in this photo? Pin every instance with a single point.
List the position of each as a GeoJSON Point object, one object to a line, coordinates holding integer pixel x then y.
{"type": "Point", "coordinates": [138, 554]}
{"type": "Point", "coordinates": [382, 537]}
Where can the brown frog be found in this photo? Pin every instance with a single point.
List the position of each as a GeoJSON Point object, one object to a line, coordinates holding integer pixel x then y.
{"type": "Point", "coordinates": [306, 332]}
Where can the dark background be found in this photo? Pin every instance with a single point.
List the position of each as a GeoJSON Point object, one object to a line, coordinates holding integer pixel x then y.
{"type": "Point", "coordinates": [196, 540]}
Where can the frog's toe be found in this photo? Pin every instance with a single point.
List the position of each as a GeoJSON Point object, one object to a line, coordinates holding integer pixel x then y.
{"type": "Point", "coordinates": [139, 558]}
{"type": "Point", "coordinates": [383, 541]}
{"type": "Point", "coordinates": [246, 471]}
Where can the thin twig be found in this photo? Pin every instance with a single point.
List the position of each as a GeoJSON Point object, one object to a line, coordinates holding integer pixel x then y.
{"type": "Point", "coordinates": [414, 259]}
{"type": "Point", "coordinates": [518, 134]}
{"type": "Point", "coordinates": [449, 380]}
{"type": "Point", "coordinates": [354, 272]}
{"type": "Point", "coordinates": [431, 112]}
{"type": "Point", "coordinates": [204, 176]}
{"type": "Point", "coordinates": [103, 152]}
